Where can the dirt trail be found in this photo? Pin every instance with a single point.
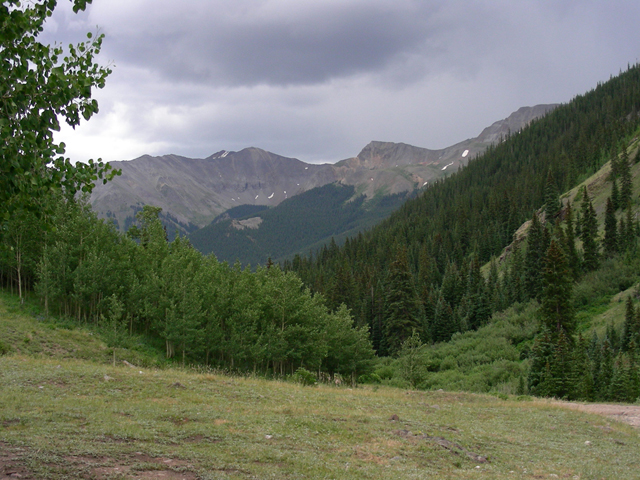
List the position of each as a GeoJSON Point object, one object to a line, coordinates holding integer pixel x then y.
{"type": "Point", "coordinates": [629, 414]}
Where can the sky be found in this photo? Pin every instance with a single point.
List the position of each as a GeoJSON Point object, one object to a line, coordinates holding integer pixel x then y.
{"type": "Point", "coordinates": [319, 80]}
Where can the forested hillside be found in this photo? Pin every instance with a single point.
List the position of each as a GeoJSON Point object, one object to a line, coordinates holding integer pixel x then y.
{"type": "Point", "coordinates": [294, 226]}
{"type": "Point", "coordinates": [420, 270]}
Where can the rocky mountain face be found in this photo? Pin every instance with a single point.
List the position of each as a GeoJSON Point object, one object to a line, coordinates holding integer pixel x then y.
{"type": "Point", "coordinates": [192, 192]}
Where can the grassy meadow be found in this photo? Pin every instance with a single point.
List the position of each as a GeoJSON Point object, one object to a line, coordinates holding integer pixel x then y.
{"type": "Point", "coordinates": [66, 412]}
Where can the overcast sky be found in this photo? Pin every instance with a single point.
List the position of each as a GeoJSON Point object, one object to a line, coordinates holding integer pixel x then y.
{"type": "Point", "coordinates": [318, 80]}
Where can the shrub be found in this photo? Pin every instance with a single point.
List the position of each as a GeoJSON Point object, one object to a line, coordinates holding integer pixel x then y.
{"type": "Point", "coordinates": [370, 378]}
{"type": "Point", "coordinates": [385, 372]}
{"type": "Point", "coordinates": [4, 349]}
{"type": "Point", "coordinates": [304, 377]}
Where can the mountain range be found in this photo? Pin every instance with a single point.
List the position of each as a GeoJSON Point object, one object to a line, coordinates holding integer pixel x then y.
{"type": "Point", "coordinates": [193, 192]}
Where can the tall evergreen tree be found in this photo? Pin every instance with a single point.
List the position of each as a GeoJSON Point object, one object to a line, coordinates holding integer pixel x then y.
{"type": "Point", "coordinates": [581, 372]}
{"type": "Point", "coordinates": [628, 330]}
{"type": "Point", "coordinates": [541, 354]}
{"type": "Point", "coordinates": [556, 308]}
{"type": "Point", "coordinates": [514, 283]}
{"type": "Point", "coordinates": [570, 243]}
{"type": "Point", "coordinates": [610, 242]}
{"type": "Point", "coordinates": [615, 195]}
{"type": "Point", "coordinates": [444, 322]}
{"type": "Point", "coordinates": [589, 234]}
{"type": "Point", "coordinates": [402, 312]}
{"type": "Point", "coordinates": [552, 204]}
{"type": "Point", "coordinates": [626, 184]}
{"type": "Point", "coordinates": [605, 372]}
{"type": "Point", "coordinates": [533, 258]}
{"type": "Point", "coordinates": [559, 381]}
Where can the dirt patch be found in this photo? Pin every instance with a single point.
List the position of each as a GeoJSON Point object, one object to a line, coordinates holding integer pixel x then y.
{"type": "Point", "coordinates": [629, 414]}
{"type": "Point", "coordinates": [10, 422]}
{"type": "Point", "coordinates": [446, 444]}
{"type": "Point", "coordinates": [12, 463]}
{"type": "Point", "coordinates": [170, 474]}
{"type": "Point", "coordinates": [137, 466]}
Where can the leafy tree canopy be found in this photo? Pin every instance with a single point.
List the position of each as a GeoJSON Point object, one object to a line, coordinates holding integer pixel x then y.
{"type": "Point", "coordinates": [40, 84]}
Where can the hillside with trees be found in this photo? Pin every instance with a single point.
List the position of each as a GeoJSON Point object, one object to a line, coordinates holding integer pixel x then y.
{"type": "Point", "coordinates": [296, 225]}
{"type": "Point", "coordinates": [438, 267]}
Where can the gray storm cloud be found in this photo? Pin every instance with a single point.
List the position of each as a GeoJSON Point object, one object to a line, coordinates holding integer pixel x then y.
{"type": "Point", "coordinates": [277, 43]}
{"type": "Point", "coordinates": [318, 80]}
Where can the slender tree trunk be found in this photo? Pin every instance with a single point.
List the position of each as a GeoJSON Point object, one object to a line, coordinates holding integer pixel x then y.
{"type": "Point", "coordinates": [19, 272]}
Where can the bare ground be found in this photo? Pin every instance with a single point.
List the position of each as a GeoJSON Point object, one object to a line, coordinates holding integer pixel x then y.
{"type": "Point", "coordinates": [14, 461]}
{"type": "Point", "coordinates": [629, 414]}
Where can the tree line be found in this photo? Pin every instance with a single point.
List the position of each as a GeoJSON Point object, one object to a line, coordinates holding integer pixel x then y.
{"type": "Point", "coordinates": [202, 311]}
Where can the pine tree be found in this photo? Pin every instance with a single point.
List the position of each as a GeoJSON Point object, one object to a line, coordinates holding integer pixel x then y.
{"type": "Point", "coordinates": [570, 244]}
{"type": "Point", "coordinates": [552, 204]}
{"type": "Point", "coordinates": [402, 313]}
{"type": "Point", "coordinates": [514, 282]}
{"type": "Point", "coordinates": [556, 305]}
{"type": "Point", "coordinates": [444, 322]}
{"type": "Point", "coordinates": [615, 196]}
{"type": "Point", "coordinates": [478, 309]}
{"type": "Point", "coordinates": [614, 339]}
{"type": "Point", "coordinates": [560, 368]}
{"type": "Point", "coordinates": [626, 184]}
{"type": "Point", "coordinates": [581, 372]}
{"type": "Point", "coordinates": [589, 234]}
{"type": "Point", "coordinates": [541, 354]}
{"type": "Point", "coordinates": [628, 235]}
{"type": "Point", "coordinates": [634, 372]}
{"type": "Point", "coordinates": [628, 333]}
{"type": "Point", "coordinates": [533, 258]}
{"type": "Point", "coordinates": [610, 243]}
{"type": "Point", "coordinates": [605, 372]}
{"type": "Point", "coordinates": [618, 387]}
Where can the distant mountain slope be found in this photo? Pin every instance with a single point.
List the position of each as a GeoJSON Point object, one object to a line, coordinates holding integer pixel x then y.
{"type": "Point", "coordinates": [192, 192]}
{"type": "Point", "coordinates": [294, 225]}
{"type": "Point", "coordinates": [197, 190]}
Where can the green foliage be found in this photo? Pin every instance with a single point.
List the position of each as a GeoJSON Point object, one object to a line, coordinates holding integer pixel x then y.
{"type": "Point", "coordinates": [556, 308]}
{"type": "Point", "coordinates": [41, 84]}
{"type": "Point", "coordinates": [114, 332]}
{"type": "Point", "coordinates": [402, 312]}
{"type": "Point", "coordinates": [610, 243]}
{"type": "Point", "coordinates": [589, 234]}
{"type": "Point", "coordinates": [304, 377]}
{"type": "Point", "coordinates": [197, 309]}
{"type": "Point", "coordinates": [410, 359]}
{"type": "Point", "coordinates": [536, 248]}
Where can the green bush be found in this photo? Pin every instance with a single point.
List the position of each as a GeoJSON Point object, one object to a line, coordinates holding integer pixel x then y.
{"type": "Point", "coordinates": [304, 377]}
{"type": "Point", "coordinates": [4, 349]}
{"type": "Point", "coordinates": [370, 378]}
{"type": "Point", "coordinates": [385, 372]}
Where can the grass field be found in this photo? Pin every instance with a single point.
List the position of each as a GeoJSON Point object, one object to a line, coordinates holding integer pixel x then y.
{"type": "Point", "coordinates": [65, 412]}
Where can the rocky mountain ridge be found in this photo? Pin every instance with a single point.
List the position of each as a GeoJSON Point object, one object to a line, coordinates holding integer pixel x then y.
{"type": "Point", "coordinates": [192, 192]}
